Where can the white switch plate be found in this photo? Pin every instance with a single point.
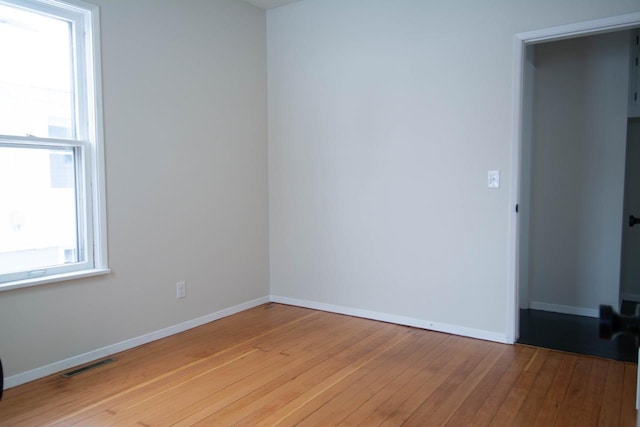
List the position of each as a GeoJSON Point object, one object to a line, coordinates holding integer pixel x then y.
{"type": "Point", "coordinates": [493, 179]}
{"type": "Point", "coordinates": [181, 289]}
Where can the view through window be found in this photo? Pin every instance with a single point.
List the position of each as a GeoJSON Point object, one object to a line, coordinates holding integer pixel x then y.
{"type": "Point", "coordinates": [47, 147]}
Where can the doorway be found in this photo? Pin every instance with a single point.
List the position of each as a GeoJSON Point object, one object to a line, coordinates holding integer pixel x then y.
{"type": "Point", "coordinates": [568, 181]}
{"type": "Point", "coordinates": [630, 265]}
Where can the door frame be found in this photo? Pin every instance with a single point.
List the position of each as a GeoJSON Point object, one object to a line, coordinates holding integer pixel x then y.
{"type": "Point", "coordinates": [521, 42]}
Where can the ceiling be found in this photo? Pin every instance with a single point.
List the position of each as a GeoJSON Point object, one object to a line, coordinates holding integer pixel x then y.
{"type": "Point", "coordinates": [270, 4]}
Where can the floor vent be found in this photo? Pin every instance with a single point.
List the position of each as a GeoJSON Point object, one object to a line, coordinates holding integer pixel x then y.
{"type": "Point", "coordinates": [86, 368]}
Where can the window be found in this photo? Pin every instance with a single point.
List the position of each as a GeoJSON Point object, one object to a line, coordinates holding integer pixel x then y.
{"type": "Point", "coordinates": [52, 211]}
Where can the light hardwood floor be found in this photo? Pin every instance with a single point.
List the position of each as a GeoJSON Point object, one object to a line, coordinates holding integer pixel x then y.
{"type": "Point", "coordinates": [283, 365]}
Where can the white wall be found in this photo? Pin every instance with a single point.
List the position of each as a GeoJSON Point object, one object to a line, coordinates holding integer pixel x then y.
{"type": "Point", "coordinates": [186, 164]}
{"type": "Point", "coordinates": [580, 118]}
{"type": "Point", "coordinates": [384, 117]}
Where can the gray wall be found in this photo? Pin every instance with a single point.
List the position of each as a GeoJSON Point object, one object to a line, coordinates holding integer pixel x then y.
{"type": "Point", "coordinates": [630, 271]}
{"type": "Point", "coordinates": [185, 119]}
{"type": "Point", "coordinates": [524, 214]}
{"type": "Point", "coordinates": [579, 138]}
{"type": "Point", "coordinates": [384, 118]}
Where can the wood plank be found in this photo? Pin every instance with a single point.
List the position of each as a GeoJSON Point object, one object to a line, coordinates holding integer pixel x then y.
{"type": "Point", "coordinates": [161, 356]}
{"type": "Point", "coordinates": [471, 405]}
{"type": "Point", "coordinates": [431, 371]}
{"type": "Point", "coordinates": [242, 381]}
{"type": "Point", "coordinates": [173, 391]}
{"type": "Point", "coordinates": [495, 400]}
{"type": "Point", "coordinates": [254, 388]}
{"type": "Point", "coordinates": [446, 379]}
{"type": "Point", "coordinates": [284, 365]}
{"type": "Point", "coordinates": [441, 406]}
{"type": "Point", "coordinates": [297, 392]}
{"type": "Point", "coordinates": [165, 380]}
{"type": "Point", "coordinates": [594, 392]}
{"type": "Point", "coordinates": [552, 403]}
{"type": "Point", "coordinates": [511, 405]}
{"type": "Point", "coordinates": [612, 399]}
{"type": "Point", "coordinates": [382, 397]}
{"type": "Point", "coordinates": [343, 398]}
{"type": "Point", "coordinates": [533, 401]}
{"type": "Point", "coordinates": [628, 412]}
{"type": "Point", "coordinates": [573, 405]}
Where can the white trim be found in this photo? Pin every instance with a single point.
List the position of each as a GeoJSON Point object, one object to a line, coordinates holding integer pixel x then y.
{"type": "Point", "coordinates": [81, 359]}
{"type": "Point", "coordinates": [565, 309]}
{"type": "Point", "coordinates": [34, 374]}
{"type": "Point", "coordinates": [625, 296]}
{"type": "Point", "coordinates": [513, 302]}
{"type": "Point", "coordinates": [96, 129]}
{"type": "Point", "coordinates": [581, 29]}
{"type": "Point", "coordinates": [7, 286]}
{"type": "Point", "coordinates": [521, 40]}
{"type": "Point", "coordinates": [88, 141]}
{"type": "Point", "coordinates": [392, 318]}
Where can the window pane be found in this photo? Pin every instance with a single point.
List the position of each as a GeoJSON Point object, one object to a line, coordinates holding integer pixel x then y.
{"type": "Point", "coordinates": [36, 91]}
{"type": "Point", "coordinates": [38, 219]}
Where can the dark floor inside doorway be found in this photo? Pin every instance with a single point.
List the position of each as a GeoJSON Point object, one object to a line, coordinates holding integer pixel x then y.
{"type": "Point", "coordinates": [575, 334]}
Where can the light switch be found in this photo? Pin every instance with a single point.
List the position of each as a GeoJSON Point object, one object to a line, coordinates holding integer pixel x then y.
{"type": "Point", "coordinates": [493, 179]}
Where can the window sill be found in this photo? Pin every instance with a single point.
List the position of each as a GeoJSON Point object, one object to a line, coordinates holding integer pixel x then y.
{"type": "Point", "coordinates": [53, 279]}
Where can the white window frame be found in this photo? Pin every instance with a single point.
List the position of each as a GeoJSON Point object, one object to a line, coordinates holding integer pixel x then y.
{"type": "Point", "coordinates": [88, 143]}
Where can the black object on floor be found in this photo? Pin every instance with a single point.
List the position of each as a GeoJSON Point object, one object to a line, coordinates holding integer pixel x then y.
{"type": "Point", "coordinates": [575, 334]}
{"type": "Point", "coordinates": [1, 379]}
{"type": "Point", "coordinates": [613, 324]}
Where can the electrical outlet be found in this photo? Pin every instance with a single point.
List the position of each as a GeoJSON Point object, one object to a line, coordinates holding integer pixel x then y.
{"type": "Point", "coordinates": [181, 289]}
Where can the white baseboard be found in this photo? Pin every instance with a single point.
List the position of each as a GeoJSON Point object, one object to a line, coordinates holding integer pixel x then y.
{"type": "Point", "coordinates": [565, 309]}
{"type": "Point", "coordinates": [630, 297]}
{"type": "Point", "coordinates": [392, 318]}
{"type": "Point", "coordinates": [81, 359]}
{"type": "Point", "coordinates": [93, 355]}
